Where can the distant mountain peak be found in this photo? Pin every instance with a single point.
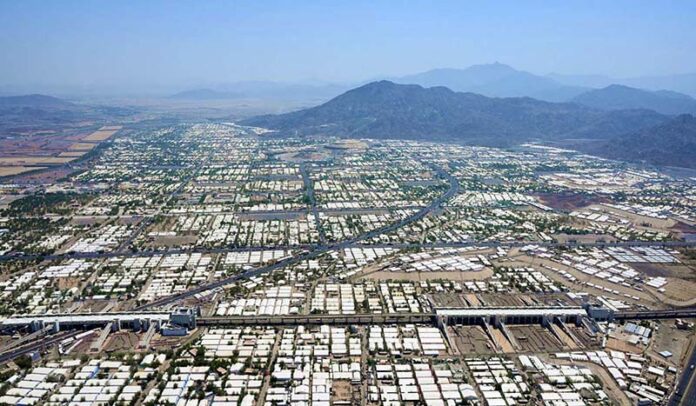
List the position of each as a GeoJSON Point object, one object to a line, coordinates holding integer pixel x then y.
{"type": "Point", "coordinates": [494, 80]}
{"type": "Point", "coordinates": [384, 109]}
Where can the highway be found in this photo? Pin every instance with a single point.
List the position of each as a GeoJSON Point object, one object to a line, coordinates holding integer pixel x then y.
{"type": "Point", "coordinates": [685, 392]}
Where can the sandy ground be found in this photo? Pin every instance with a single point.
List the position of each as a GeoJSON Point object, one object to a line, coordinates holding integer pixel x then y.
{"type": "Point", "coordinates": [621, 345]}
{"type": "Point", "coordinates": [669, 338]}
{"type": "Point", "coordinates": [502, 341]}
{"type": "Point", "coordinates": [102, 134]}
{"type": "Point", "coordinates": [82, 146]}
{"type": "Point", "coordinates": [73, 154]}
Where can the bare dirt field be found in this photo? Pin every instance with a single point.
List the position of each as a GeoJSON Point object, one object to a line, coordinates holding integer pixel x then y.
{"type": "Point", "coordinates": [669, 338]}
{"type": "Point", "coordinates": [666, 270]}
{"type": "Point", "coordinates": [678, 292]}
{"type": "Point", "coordinates": [614, 343]}
{"type": "Point", "coordinates": [16, 170]}
{"type": "Point", "coordinates": [568, 201]}
{"type": "Point", "coordinates": [505, 345]}
{"type": "Point", "coordinates": [82, 146]}
{"type": "Point", "coordinates": [122, 341]}
{"type": "Point", "coordinates": [33, 160]}
{"type": "Point", "coordinates": [102, 134]}
{"type": "Point", "coordinates": [492, 299]}
{"type": "Point", "coordinates": [453, 300]}
{"type": "Point", "coordinates": [46, 175]}
{"type": "Point", "coordinates": [73, 154]}
{"type": "Point", "coordinates": [341, 391]}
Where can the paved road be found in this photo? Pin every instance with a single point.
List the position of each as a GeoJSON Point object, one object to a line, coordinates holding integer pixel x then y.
{"type": "Point", "coordinates": [685, 392]}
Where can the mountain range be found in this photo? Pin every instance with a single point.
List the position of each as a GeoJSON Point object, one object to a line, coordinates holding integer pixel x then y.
{"type": "Point", "coordinates": [672, 143]}
{"type": "Point", "coordinates": [618, 97]}
{"type": "Point", "coordinates": [682, 83]}
{"type": "Point", "coordinates": [388, 110]}
{"type": "Point", "coordinates": [495, 80]}
{"type": "Point", "coordinates": [19, 114]}
{"type": "Point", "coordinates": [492, 80]}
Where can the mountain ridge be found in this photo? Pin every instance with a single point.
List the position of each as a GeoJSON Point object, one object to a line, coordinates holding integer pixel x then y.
{"type": "Point", "coordinates": [385, 109]}
{"type": "Point", "coordinates": [672, 143]}
{"type": "Point", "coordinates": [620, 97]}
{"type": "Point", "coordinates": [494, 80]}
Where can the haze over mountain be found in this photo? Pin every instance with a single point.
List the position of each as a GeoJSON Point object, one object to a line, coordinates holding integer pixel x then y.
{"type": "Point", "coordinates": [21, 113]}
{"type": "Point", "coordinates": [264, 90]}
{"type": "Point", "coordinates": [683, 83]}
{"type": "Point", "coordinates": [388, 110]}
{"type": "Point", "coordinates": [495, 80]}
{"type": "Point", "coordinates": [34, 101]}
{"type": "Point", "coordinates": [672, 143]}
{"type": "Point", "coordinates": [618, 97]}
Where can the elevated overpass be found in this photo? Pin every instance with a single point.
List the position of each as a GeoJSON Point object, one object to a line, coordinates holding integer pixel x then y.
{"type": "Point", "coordinates": [141, 320]}
{"type": "Point", "coordinates": [35, 322]}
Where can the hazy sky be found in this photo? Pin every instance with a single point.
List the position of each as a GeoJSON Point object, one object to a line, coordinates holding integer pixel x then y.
{"type": "Point", "coordinates": [188, 42]}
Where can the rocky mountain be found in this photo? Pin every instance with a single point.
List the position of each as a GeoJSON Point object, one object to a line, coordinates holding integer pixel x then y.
{"type": "Point", "coordinates": [26, 113]}
{"type": "Point", "coordinates": [619, 97]}
{"type": "Point", "coordinates": [672, 143]}
{"type": "Point", "coordinates": [388, 110]}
